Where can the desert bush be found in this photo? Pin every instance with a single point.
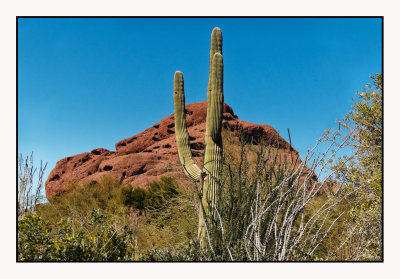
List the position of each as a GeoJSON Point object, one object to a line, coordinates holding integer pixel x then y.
{"type": "Point", "coordinates": [157, 195]}
{"type": "Point", "coordinates": [134, 197]}
{"type": "Point", "coordinates": [275, 209]}
{"type": "Point", "coordinates": [361, 171]}
{"type": "Point", "coordinates": [160, 192]}
{"type": "Point", "coordinates": [96, 240]}
{"type": "Point", "coordinates": [170, 217]}
{"type": "Point", "coordinates": [188, 251]}
{"type": "Point", "coordinates": [80, 197]}
{"type": "Point", "coordinates": [161, 217]}
{"type": "Point", "coordinates": [34, 239]}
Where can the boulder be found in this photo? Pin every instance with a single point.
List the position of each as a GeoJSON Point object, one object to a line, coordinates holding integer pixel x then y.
{"type": "Point", "coordinates": [153, 153]}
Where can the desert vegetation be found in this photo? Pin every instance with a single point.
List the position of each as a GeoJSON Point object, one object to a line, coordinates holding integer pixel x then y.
{"type": "Point", "coordinates": [327, 207]}
{"type": "Point", "coordinates": [254, 205]}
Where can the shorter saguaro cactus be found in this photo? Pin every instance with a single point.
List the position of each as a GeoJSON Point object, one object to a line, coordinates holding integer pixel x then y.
{"type": "Point", "coordinates": [181, 133]}
{"type": "Point", "coordinates": [210, 174]}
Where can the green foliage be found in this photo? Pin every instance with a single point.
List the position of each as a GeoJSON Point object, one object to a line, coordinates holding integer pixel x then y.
{"type": "Point", "coordinates": [136, 198]}
{"type": "Point", "coordinates": [80, 197]}
{"type": "Point", "coordinates": [96, 240]}
{"type": "Point", "coordinates": [160, 217]}
{"type": "Point", "coordinates": [34, 239]}
{"type": "Point", "coordinates": [157, 195]}
{"type": "Point", "coordinates": [364, 126]}
{"type": "Point", "coordinates": [188, 251]}
{"type": "Point", "coordinates": [170, 216]}
{"type": "Point", "coordinates": [361, 172]}
{"type": "Point", "coordinates": [160, 192]}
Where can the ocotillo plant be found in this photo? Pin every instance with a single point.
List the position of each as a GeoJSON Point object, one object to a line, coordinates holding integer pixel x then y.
{"type": "Point", "coordinates": [209, 175]}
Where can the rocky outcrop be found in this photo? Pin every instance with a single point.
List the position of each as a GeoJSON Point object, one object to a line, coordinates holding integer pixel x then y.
{"type": "Point", "coordinates": [153, 153]}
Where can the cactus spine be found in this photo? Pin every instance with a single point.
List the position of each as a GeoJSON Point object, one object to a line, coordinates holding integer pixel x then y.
{"type": "Point", "coordinates": [209, 176]}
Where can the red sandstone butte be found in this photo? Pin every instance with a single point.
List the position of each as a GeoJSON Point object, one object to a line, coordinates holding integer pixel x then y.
{"type": "Point", "coordinates": [152, 153]}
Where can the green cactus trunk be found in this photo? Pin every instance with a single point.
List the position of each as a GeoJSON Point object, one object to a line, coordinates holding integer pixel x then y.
{"type": "Point", "coordinates": [181, 133]}
{"type": "Point", "coordinates": [210, 175]}
{"type": "Point", "coordinates": [216, 46]}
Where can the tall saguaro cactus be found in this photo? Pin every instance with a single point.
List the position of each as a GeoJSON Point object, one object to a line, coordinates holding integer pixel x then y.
{"type": "Point", "coordinates": [209, 175]}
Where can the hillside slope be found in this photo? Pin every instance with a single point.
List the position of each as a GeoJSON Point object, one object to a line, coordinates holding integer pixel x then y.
{"type": "Point", "coordinates": [153, 153]}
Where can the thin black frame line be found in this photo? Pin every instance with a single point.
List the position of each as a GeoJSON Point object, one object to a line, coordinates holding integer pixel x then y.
{"type": "Point", "coordinates": [222, 17]}
{"type": "Point", "coordinates": [16, 102]}
{"type": "Point", "coordinates": [383, 115]}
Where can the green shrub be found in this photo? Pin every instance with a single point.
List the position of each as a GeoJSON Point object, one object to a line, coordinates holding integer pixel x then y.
{"type": "Point", "coordinates": [167, 215]}
{"type": "Point", "coordinates": [136, 198]}
{"type": "Point", "coordinates": [162, 216]}
{"type": "Point", "coordinates": [80, 198]}
{"type": "Point", "coordinates": [34, 239]}
{"type": "Point", "coordinates": [189, 251]}
{"type": "Point", "coordinates": [95, 240]}
{"type": "Point", "coordinates": [160, 192]}
{"type": "Point", "coordinates": [157, 196]}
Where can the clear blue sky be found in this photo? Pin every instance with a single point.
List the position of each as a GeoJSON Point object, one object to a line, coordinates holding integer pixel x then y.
{"type": "Point", "coordinates": [88, 83]}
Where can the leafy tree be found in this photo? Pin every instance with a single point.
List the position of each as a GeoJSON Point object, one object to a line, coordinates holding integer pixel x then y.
{"type": "Point", "coordinates": [361, 172]}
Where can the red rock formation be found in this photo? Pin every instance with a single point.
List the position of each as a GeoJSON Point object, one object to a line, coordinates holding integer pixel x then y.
{"type": "Point", "coordinates": [152, 153]}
